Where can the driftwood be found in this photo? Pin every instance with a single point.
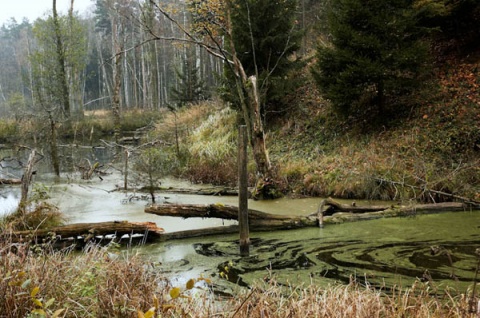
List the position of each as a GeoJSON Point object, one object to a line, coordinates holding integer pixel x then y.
{"type": "Point", "coordinates": [86, 231]}
{"type": "Point", "coordinates": [10, 181]}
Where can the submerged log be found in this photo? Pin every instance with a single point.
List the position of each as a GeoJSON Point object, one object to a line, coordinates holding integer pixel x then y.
{"type": "Point", "coordinates": [87, 230]}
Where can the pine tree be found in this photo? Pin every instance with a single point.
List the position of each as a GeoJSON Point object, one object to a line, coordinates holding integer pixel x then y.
{"type": "Point", "coordinates": [265, 34]}
{"type": "Point", "coordinates": [191, 88]}
{"type": "Point", "coordinates": [375, 54]}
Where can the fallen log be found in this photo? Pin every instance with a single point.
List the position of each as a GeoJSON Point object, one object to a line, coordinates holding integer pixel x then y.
{"type": "Point", "coordinates": [85, 231]}
{"type": "Point", "coordinates": [10, 181]}
{"type": "Point", "coordinates": [335, 212]}
{"type": "Point", "coordinates": [333, 206]}
{"type": "Point", "coordinates": [220, 211]}
{"type": "Point", "coordinates": [258, 221]}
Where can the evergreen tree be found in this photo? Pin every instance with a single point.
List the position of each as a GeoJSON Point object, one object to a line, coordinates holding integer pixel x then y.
{"type": "Point", "coordinates": [190, 87]}
{"type": "Point", "coordinates": [265, 35]}
{"type": "Point", "coordinates": [375, 54]}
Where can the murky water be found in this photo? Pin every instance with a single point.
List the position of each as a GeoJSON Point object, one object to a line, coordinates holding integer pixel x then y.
{"type": "Point", "coordinates": [382, 252]}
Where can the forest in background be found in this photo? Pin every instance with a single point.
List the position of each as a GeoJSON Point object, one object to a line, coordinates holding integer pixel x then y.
{"type": "Point", "coordinates": [346, 140]}
{"type": "Point", "coordinates": [400, 144]}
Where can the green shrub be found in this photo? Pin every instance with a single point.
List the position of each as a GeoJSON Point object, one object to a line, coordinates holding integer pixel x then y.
{"type": "Point", "coordinates": [8, 130]}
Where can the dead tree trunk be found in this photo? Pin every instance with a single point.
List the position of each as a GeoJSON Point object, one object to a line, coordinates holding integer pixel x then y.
{"type": "Point", "coordinates": [26, 180]}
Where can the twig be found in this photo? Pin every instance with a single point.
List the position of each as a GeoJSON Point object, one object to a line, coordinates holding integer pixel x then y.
{"type": "Point", "coordinates": [243, 302]}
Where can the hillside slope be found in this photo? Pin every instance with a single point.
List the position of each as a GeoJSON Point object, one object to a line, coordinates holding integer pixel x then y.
{"type": "Point", "coordinates": [433, 145]}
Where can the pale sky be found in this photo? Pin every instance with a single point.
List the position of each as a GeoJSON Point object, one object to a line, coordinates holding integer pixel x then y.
{"type": "Point", "coordinates": [33, 9]}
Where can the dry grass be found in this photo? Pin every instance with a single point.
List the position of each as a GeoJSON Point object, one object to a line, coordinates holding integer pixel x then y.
{"type": "Point", "coordinates": [96, 283]}
{"type": "Point", "coordinates": [347, 301]}
{"type": "Point", "coordinates": [207, 141]}
{"type": "Point", "coordinates": [185, 120]}
{"type": "Point", "coordinates": [365, 168]}
{"type": "Point", "coordinates": [104, 282]}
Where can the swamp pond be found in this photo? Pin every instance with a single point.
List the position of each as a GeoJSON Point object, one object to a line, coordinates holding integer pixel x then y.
{"type": "Point", "coordinates": [382, 253]}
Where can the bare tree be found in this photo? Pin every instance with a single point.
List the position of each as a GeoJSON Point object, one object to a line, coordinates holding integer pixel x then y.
{"type": "Point", "coordinates": [212, 33]}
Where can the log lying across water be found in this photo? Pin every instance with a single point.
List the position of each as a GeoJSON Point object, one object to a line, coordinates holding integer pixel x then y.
{"type": "Point", "coordinates": [86, 231]}
{"type": "Point", "coordinates": [333, 211]}
{"type": "Point", "coordinates": [259, 221]}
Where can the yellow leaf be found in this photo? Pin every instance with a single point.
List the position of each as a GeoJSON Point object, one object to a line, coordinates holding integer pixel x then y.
{"type": "Point", "coordinates": [150, 313]}
{"type": "Point", "coordinates": [34, 291]}
{"type": "Point", "coordinates": [57, 312]}
{"type": "Point", "coordinates": [190, 284]}
{"type": "Point", "coordinates": [175, 292]}
{"type": "Point", "coordinates": [37, 302]}
{"type": "Point", "coordinates": [140, 314]}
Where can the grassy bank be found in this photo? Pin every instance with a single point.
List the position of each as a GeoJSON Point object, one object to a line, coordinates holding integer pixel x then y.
{"type": "Point", "coordinates": [424, 145]}
{"type": "Point", "coordinates": [103, 282]}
